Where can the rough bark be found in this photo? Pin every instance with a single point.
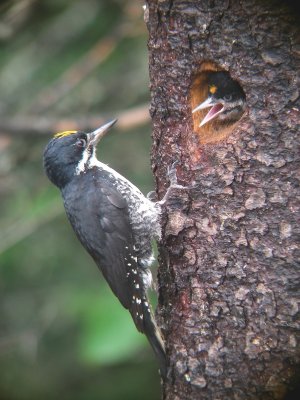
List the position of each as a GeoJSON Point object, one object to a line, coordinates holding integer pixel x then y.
{"type": "Point", "coordinates": [229, 275]}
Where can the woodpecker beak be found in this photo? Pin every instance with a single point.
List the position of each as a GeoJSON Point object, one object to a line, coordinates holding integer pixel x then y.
{"type": "Point", "coordinates": [216, 109]}
{"type": "Point", "coordinates": [97, 135]}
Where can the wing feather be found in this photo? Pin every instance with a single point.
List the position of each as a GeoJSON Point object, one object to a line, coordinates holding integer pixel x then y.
{"type": "Point", "coordinates": [107, 235]}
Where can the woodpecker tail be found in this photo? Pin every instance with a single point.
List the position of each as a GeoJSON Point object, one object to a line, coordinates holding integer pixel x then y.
{"type": "Point", "coordinates": [153, 334]}
{"type": "Point", "coordinates": [144, 320]}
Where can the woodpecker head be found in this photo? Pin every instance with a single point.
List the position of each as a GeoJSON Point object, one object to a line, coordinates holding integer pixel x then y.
{"type": "Point", "coordinates": [226, 99]}
{"type": "Point", "coordinates": [69, 153]}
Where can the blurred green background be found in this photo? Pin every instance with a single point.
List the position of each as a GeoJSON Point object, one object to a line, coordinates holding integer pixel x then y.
{"type": "Point", "coordinates": [67, 64]}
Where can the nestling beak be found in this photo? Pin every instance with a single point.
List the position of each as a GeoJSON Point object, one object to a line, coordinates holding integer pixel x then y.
{"type": "Point", "coordinates": [97, 135]}
{"type": "Point", "coordinates": [216, 109]}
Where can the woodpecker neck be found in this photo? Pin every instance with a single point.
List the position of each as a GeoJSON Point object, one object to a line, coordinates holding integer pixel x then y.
{"type": "Point", "coordinates": [232, 111]}
{"type": "Point", "coordinates": [60, 177]}
{"type": "Point", "coordinates": [85, 162]}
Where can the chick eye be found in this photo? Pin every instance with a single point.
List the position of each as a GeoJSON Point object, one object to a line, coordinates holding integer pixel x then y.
{"type": "Point", "coordinates": [81, 143]}
{"type": "Point", "coordinates": [228, 97]}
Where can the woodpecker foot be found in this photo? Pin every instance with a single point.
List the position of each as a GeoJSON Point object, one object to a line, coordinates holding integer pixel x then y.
{"type": "Point", "coordinates": [173, 183]}
{"type": "Point", "coordinates": [172, 174]}
{"type": "Point", "coordinates": [151, 195]}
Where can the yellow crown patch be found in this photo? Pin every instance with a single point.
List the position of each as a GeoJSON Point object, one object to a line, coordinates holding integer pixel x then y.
{"type": "Point", "coordinates": [213, 89]}
{"type": "Point", "coordinates": [65, 133]}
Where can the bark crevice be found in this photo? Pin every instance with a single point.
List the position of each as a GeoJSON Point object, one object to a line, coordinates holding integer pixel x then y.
{"type": "Point", "coordinates": [229, 274]}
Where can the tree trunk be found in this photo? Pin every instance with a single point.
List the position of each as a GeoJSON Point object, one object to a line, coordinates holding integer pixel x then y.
{"type": "Point", "coordinates": [228, 275]}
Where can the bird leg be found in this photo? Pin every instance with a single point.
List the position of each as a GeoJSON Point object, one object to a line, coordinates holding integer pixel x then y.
{"type": "Point", "coordinates": [173, 184]}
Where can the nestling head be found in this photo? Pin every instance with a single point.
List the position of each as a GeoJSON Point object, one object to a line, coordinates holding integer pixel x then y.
{"type": "Point", "coordinates": [226, 99]}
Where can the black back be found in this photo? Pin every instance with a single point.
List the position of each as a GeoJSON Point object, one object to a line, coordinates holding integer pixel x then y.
{"type": "Point", "coordinates": [100, 217]}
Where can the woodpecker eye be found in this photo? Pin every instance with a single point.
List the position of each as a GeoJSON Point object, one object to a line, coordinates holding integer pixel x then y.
{"type": "Point", "coordinates": [81, 143]}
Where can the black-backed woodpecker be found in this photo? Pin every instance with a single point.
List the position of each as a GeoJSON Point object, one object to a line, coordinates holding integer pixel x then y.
{"type": "Point", "coordinates": [225, 97]}
{"type": "Point", "coordinates": [113, 220]}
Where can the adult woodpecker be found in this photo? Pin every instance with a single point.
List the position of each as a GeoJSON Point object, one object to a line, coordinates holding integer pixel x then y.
{"type": "Point", "coordinates": [226, 99]}
{"type": "Point", "coordinates": [113, 220]}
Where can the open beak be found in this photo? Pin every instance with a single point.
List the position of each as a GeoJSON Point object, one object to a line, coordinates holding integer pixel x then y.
{"type": "Point", "coordinates": [216, 109]}
{"type": "Point", "coordinates": [97, 135]}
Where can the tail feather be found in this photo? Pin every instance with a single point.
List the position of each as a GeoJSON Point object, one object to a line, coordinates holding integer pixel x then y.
{"type": "Point", "coordinates": [154, 337]}
{"type": "Point", "coordinates": [144, 320]}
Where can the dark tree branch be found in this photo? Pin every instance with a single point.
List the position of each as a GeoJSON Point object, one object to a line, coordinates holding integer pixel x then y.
{"type": "Point", "coordinates": [33, 125]}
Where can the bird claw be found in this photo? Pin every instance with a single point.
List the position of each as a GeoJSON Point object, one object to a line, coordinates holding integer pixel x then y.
{"type": "Point", "coordinates": [151, 195]}
{"type": "Point", "coordinates": [172, 175]}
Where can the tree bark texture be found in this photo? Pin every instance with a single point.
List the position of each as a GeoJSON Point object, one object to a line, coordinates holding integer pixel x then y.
{"type": "Point", "coordinates": [229, 273]}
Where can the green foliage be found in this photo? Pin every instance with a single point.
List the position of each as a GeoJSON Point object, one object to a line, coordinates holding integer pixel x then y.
{"type": "Point", "coordinates": [107, 333]}
{"type": "Point", "coordinates": [62, 332]}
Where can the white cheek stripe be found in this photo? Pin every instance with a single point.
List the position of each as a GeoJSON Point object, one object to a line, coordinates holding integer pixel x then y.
{"type": "Point", "coordinates": [81, 167]}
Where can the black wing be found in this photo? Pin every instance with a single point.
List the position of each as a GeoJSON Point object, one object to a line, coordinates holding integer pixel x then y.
{"type": "Point", "coordinates": [100, 217]}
